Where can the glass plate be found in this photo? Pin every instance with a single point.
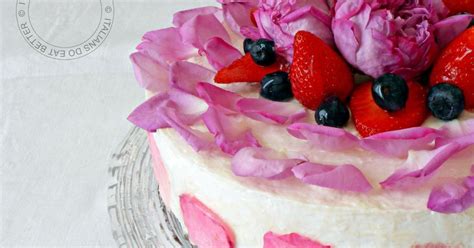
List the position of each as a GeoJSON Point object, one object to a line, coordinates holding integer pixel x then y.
{"type": "Point", "coordinates": [137, 214]}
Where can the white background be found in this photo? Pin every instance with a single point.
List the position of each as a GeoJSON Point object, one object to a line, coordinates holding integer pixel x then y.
{"type": "Point", "coordinates": [60, 120]}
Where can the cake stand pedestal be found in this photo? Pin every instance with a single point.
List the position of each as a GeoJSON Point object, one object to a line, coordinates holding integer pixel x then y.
{"type": "Point", "coordinates": [138, 216]}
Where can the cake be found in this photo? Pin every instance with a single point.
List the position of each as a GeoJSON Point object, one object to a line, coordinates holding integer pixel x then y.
{"type": "Point", "coordinates": [267, 130]}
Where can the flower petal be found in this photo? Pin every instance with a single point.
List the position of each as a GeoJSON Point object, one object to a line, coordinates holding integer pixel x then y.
{"type": "Point", "coordinates": [220, 54]}
{"type": "Point", "coordinates": [453, 197]}
{"type": "Point", "coordinates": [399, 143]}
{"type": "Point", "coordinates": [262, 163]}
{"type": "Point", "coordinates": [201, 28]}
{"type": "Point", "coordinates": [228, 134]}
{"type": "Point", "coordinates": [166, 45]}
{"type": "Point", "coordinates": [343, 177]}
{"type": "Point", "coordinates": [205, 228]}
{"type": "Point", "coordinates": [292, 240]}
{"type": "Point", "coordinates": [449, 28]}
{"type": "Point", "coordinates": [185, 76]}
{"type": "Point", "coordinates": [181, 17]}
{"type": "Point", "coordinates": [271, 112]}
{"type": "Point", "coordinates": [214, 96]}
{"type": "Point", "coordinates": [149, 73]}
{"type": "Point", "coordinates": [145, 116]}
{"type": "Point", "coordinates": [322, 137]}
{"type": "Point", "coordinates": [237, 14]}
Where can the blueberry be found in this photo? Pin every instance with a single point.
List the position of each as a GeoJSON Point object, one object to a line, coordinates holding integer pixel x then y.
{"type": "Point", "coordinates": [446, 101]}
{"type": "Point", "coordinates": [248, 44]}
{"type": "Point", "coordinates": [276, 87]}
{"type": "Point", "coordinates": [263, 52]}
{"type": "Point", "coordinates": [332, 112]}
{"type": "Point", "coordinates": [390, 92]}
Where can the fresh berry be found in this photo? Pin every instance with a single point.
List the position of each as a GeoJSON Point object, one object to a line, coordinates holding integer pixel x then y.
{"type": "Point", "coordinates": [245, 70]}
{"type": "Point", "coordinates": [455, 65]}
{"type": "Point", "coordinates": [276, 86]}
{"type": "Point", "coordinates": [332, 112]}
{"type": "Point", "coordinates": [263, 52]}
{"type": "Point", "coordinates": [248, 44]}
{"type": "Point", "coordinates": [370, 119]}
{"type": "Point", "coordinates": [390, 92]}
{"type": "Point", "coordinates": [458, 6]}
{"type": "Point", "coordinates": [318, 71]}
{"type": "Point", "coordinates": [445, 101]}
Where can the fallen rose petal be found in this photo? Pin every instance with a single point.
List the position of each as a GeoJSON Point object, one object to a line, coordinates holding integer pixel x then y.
{"type": "Point", "coordinates": [161, 46]}
{"type": "Point", "coordinates": [227, 132]}
{"type": "Point", "coordinates": [448, 29]}
{"type": "Point", "coordinates": [185, 76]}
{"type": "Point", "coordinates": [205, 228]}
{"type": "Point", "coordinates": [399, 143]}
{"type": "Point", "coordinates": [270, 112]}
{"type": "Point", "coordinates": [262, 163]}
{"type": "Point", "coordinates": [181, 17]}
{"type": "Point", "coordinates": [220, 54]}
{"type": "Point", "coordinates": [201, 28]}
{"type": "Point", "coordinates": [237, 14]}
{"type": "Point", "coordinates": [322, 137]}
{"type": "Point", "coordinates": [149, 73]}
{"type": "Point", "coordinates": [145, 115]}
{"type": "Point", "coordinates": [218, 97]}
{"type": "Point", "coordinates": [343, 177]}
{"type": "Point", "coordinates": [292, 240]}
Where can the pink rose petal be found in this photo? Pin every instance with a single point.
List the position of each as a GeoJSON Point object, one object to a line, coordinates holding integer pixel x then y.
{"type": "Point", "coordinates": [456, 129]}
{"type": "Point", "coordinates": [181, 17]}
{"type": "Point", "coordinates": [343, 177]}
{"type": "Point", "coordinates": [201, 28]}
{"type": "Point", "coordinates": [399, 143]}
{"type": "Point", "coordinates": [292, 240]}
{"type": "Point", "coordinates": [185, 76]}
{"type": "Point", "coordinates": [214, 96]}
{"type": "Point", "coordinates": [220, 54]}
{"type": "Point", "coordinates": [228, 134]}
{"type": "Point", "coordinates": [237, 14]}
{"type": "Point", "coordinates": [262, 163]}
{"type": "Point", "coordinates": [449, 28]}
{"type": "Point", "coordinates": [453, 197]}
{"type": "Point", "coordinates": [145, 115]}
{"type": "Point", "coordinates": [322, 137]}
{"type": "Point", "coordinates": [205, 228]}
{"type": "Point", "coordinates": [271, 112]}
{"type": "Point", "coordinates": [161, 46]}
{"type": "Point", "coordinates": [421, 166]}
{"type": "Point", "coordinates": [150, 74]}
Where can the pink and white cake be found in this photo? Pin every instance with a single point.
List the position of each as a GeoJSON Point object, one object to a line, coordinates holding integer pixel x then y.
{"type": "Point", "coordinates": [306, 123]}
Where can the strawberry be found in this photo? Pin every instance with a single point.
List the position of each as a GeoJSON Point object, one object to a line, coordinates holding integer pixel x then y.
{"type": "Point", "coordinates": [370, 119]}
{"type": "Point", "coordinates": [318, 71]}
{"type": "Point", "coordinates": [246, 70]}
{"type": "Point", "coordinates": [458, 6]}
{"type": "Point", "coordinates": [455, 65]}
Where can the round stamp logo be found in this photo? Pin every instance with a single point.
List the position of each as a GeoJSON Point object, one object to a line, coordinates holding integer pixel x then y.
{"type": "Point", "coordinates": [59, 34]}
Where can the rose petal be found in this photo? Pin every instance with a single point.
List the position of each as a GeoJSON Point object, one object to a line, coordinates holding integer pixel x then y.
{"type": "Point", "coordinates": [214, 96]}
{"type": "Point", "coordinates": [292, 240]}
{"type": "Point", "coordinates": [456, 129]}
{"type": "Point", "coordinates": [422, 165]}
{"type": "Point", "coordinates": [449, 28]}
{"type": "Point", "coordinates": [453, 197]}
{"type": "Point", "coordinates": [271, 112]}
{"type": "Point", "coordinates": [181, 17]}
{"type": "Point", "coordinates": [201, 28]}
{"type": "Point", "coordinates": [399, 143]}
{"type": "Point", "coordinates": [322, 137]}
{"type": "Point", "coordinates": [145, 115]}
{"type": "Point", "coordinates": [166, 45]}
{"type": "Point", "coordinates": [220, 54]}
{"type": "Point", "coordinates": [149, 73]}
{"type": "Point", "coordinates": [185, 76]}
{"type": "Point", "coordinates": [205, 228]}
{"type": "Point", "coordinates": [237, 14]}
{"type": "Point", "coordinates": [262, 163]}
{"type": "Point", "coordinates": [343, 177]}
{"type": "Point", "coordinates": [228, 134]}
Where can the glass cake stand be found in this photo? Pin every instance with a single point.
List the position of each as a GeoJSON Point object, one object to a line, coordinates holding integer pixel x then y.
{"type": "Point", "coordinates": [137, 214]}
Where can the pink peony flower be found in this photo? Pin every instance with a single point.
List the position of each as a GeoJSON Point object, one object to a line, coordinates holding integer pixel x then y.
{"type": "Point", "coordinates": [402, 37]}
{"type": "Point", "coordinates": [280, 20]}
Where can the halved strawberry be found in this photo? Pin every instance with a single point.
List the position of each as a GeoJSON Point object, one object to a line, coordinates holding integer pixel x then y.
{"type": "Point", "coordinates": [246, 70]}
{"type": "Point", "coordinates": [318, 71]}
{"type": "Point", "coordinates": [458, 6]}
{"type": "Point", "coordinates": [370, 119]}
{"type": "Point", "coordinates": [455, 65]}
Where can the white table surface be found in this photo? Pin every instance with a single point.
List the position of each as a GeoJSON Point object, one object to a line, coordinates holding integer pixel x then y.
{"type": "Point", "coordinates": [60, 120]}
